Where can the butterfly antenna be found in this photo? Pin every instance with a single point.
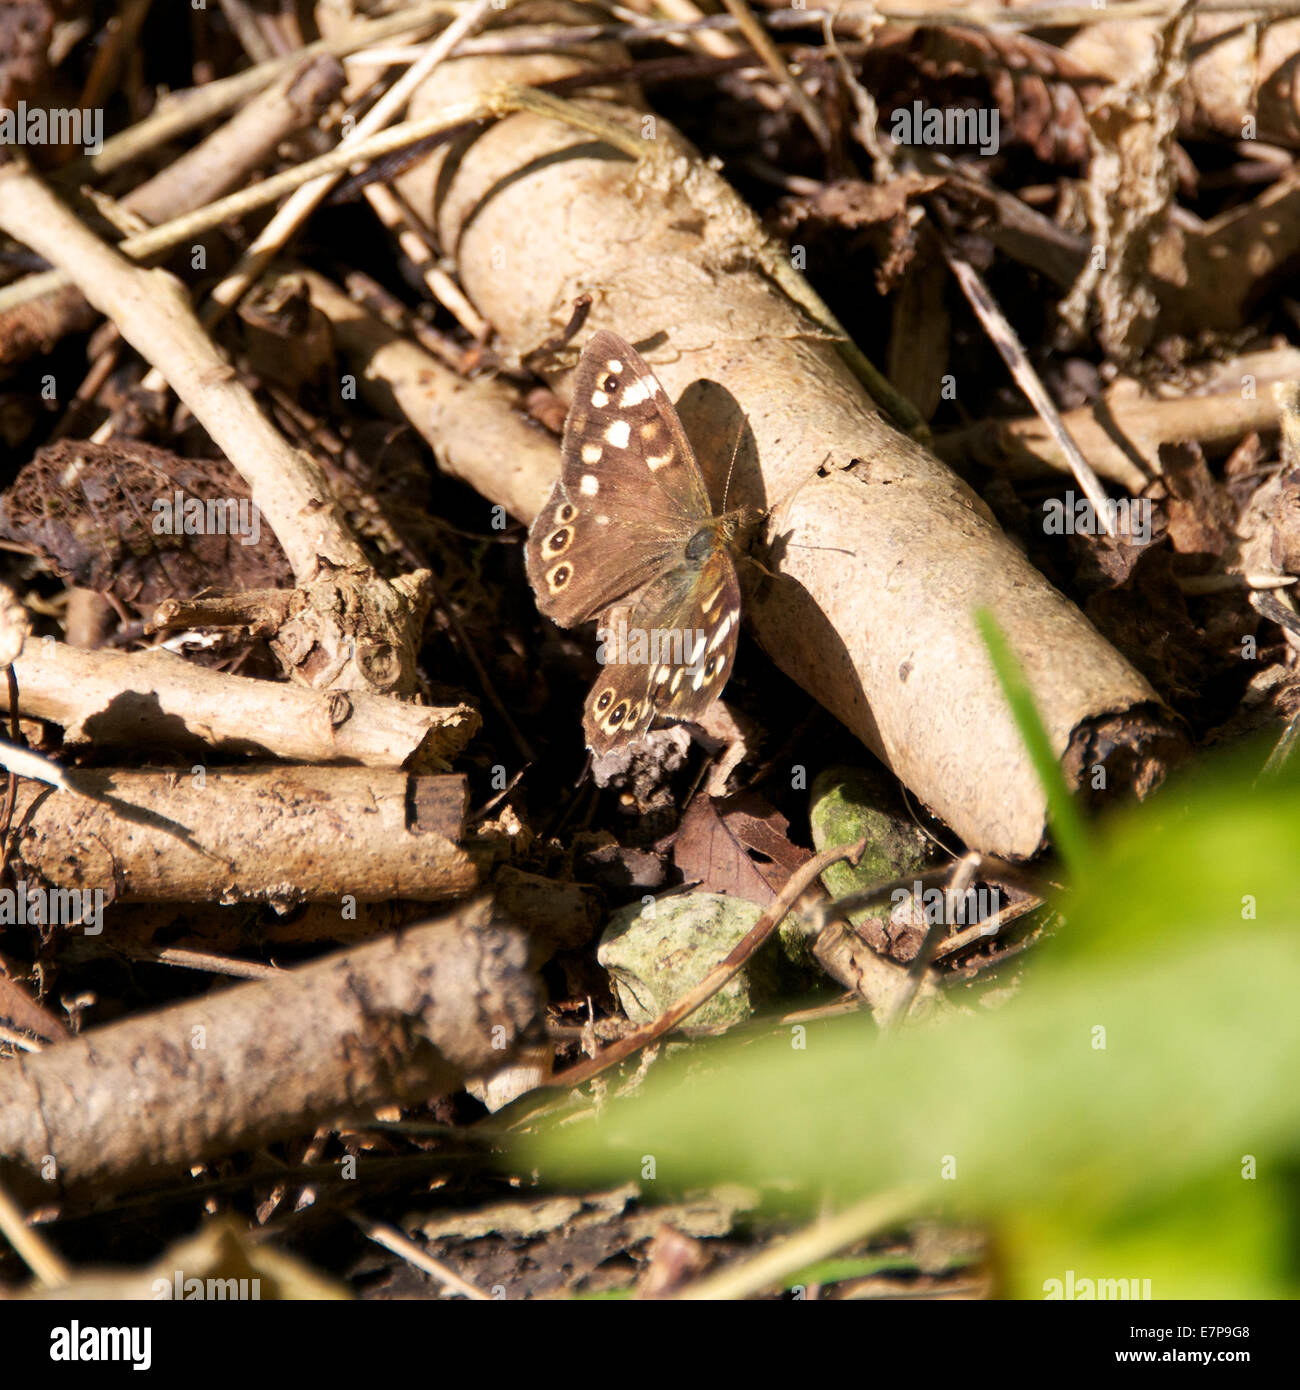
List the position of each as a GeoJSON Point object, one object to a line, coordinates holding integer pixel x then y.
{"type": "Point", "coordinates": [735, 449]}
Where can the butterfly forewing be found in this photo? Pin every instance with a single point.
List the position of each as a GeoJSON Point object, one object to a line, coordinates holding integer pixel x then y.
{"type": "Point", "coordinates": [622, 426]}
{"type": "Point", "coordinates": [630, 492]}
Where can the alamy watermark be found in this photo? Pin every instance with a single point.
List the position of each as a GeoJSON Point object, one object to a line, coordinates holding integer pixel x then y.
{"type": "Point", "coordinates": [53, 907]}
{"type": "Point", "coordinates": [189, 1290]}
{"type": "Point", "coordinates": [1074, 1288]}
{"type": "Point", "coordinates": [942, 907]}
{"type": "Point", "coordinates": [947, 126]}
{"type": "Point", "coordinates": [658, 646]}
{"type": "Point", "coordinates": [179, 515]}
{"type": "Point", "coordinates": [1077, 516]}
{"type": "Point", "coordinates": [58, 125]}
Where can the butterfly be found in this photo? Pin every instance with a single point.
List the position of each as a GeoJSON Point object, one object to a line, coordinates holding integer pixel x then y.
{"type": "Point", "coordinates": [629, 535]}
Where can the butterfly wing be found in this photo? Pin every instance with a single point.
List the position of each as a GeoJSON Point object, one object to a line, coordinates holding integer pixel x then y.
{"type": "Point", "coordinates": [630, 492]}
{"type": "Point", "coordinates": [669, 651]}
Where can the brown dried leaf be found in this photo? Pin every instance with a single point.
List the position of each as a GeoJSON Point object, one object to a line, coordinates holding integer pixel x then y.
{"type": "Point", "coordinates": [886, 212]}
{"type": "Point", "coordinates": [718, 842]}
{"type": "Point", "coordinates": [1285, 545]}
{"type": "Point", "coordinates": [1040, 93]}
{"type": "Point", "coordinates": [1200, 513]}
{"type": "Point", "coordinates": [89, 511]}
{"type": "Point", "coordinates": [25, 28]}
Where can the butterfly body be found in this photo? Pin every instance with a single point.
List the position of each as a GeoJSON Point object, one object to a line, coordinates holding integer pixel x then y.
{"type": "Point", "coordinates": [629, 535]}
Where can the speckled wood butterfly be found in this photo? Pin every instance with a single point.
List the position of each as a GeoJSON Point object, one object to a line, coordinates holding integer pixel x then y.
{"type": "Point", "coordinates": [629, 535]}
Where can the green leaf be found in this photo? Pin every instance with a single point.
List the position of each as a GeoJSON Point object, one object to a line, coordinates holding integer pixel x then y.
{"type": "Point", "coordinates": [1107, 1119]}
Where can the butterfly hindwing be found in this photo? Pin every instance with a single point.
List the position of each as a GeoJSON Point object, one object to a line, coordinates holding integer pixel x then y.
{"type": "Point", "coordinates": [666, 653]}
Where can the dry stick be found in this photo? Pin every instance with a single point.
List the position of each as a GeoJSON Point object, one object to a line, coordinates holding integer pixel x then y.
{"type": "Point", "coordinates": [1069, 15]}
{"type": "Point", "coordinates": [846, 956]}
{"type": "Point", "coordinates": [395, 1020]}
{"type": "Point", "coordinates": [1122, 436]}
{"type": "Point", "coordinates": [223, 161]}
{"type": "Point", "coordinates": [472, 424]}
{"type": "Point", "coordinates": [414, 239]}
{"type": "Point", "coordinates": [298, 834]}
{"type": "Point", "coordinates": [1275, 610]}
{"type": "Point", "coordinates": [244, 23]}
{"type": "Point", "coordinates": [990, 926]}
{"type": "Point", "coordinates": [11, 780]}
{"type": "Point", "coordinates": [228, 157]}
{"type": "Point", "coordinates": [188, 959]}
{"type": "Point", "coordinates": [126, 698]}
{"type": "Point", "coordinates": [269, 190]}
{"type": "Point", "coordinates": [798, 882]}
{"type": "Point", "coordinates": [20, 1040]}
{"type": "Point", "coordinates": [302, 203]}
{"type": "Point", "coordinates": [1013, 354]}
{"type": "Point", "coordinates": [182, 111]}
{"type": "Point", "coordinates": [45, 1263]}
{"type": "Point", "coordinates": [391, 314]}
{"type": "Point", "coordinates": [757, 37]}
{"type": "Point", "coordinates": [120, 33]}
{"type": "Point", "coordinates": [1284, 749]}
{"type": "Point", "coordinates": [1221, 583]}
{"type": "Point", "coordinates": [823, 1238]}
{"type": "Point", "coordinates": [700, 37]}
{"type": "Point", "coordinates": [963, 872]}
{"type": "Point", "coordinates": [394, 1240]}
{"type": "Point", "coordinates": [854, 23]}
{"type": "Point", "coordinates": [541, 103]}
{"type": "Point", "coordinates": [153, 314]}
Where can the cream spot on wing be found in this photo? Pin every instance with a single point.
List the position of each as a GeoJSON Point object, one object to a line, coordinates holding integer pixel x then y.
{"type": "Point", "coordinates": [662, 674]}
{"type": "Point", "coordinates": [591, 453]}
{"type": "Point", "coordinates": [635, 394]}
{"type": "Point", "coordinates": [589, 486]}
{"type": "Point", "coordinates": [657, 461]}
{"type": "Point", "coordinates": [711, 602]}
{"type": "Point", "coordinates": [619, 433]}
{"type": "Point", "coordinates": [614, 365]}
{"type": "Point", "coordinates": [650, 429]}
{"type": "Point", "coordinates": [724, 627]}
{"type": "Point", "coordinates": [676, 680]}
{"type": "Point", "coordinates": [602, 520]}
{"type": "Point", "coordinates": [698, 681]}
{"type": "Point", "coordinates": [599, 399]}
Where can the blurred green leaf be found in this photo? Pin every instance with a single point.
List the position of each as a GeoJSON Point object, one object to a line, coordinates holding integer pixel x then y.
{"type": "Point", "coordinates": [1068, 831]}
{"type": "Point", "coordinates": [1102, 1121]}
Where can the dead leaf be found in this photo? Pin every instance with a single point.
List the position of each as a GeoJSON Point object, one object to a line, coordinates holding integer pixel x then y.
{"type": "Point", "coordinates": [740, 847]}
{"type": "Point", "coordinates": [91, 512]}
